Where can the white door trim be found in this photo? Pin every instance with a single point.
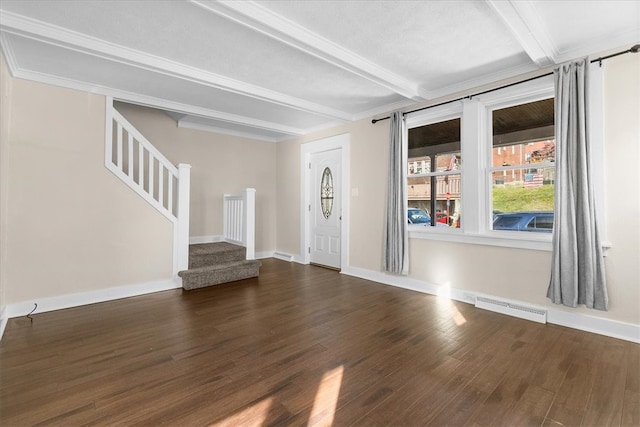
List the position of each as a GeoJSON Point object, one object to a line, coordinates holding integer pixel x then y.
{"type": "Point", "coordinates": [342, 142]}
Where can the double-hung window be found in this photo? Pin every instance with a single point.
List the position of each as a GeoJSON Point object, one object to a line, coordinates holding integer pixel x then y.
{"type": "Point", "coordinates": [506, 139]}
{"type": "Point", "coordinates": [435, 171]}
{"type": "Point", "coordinates": [522, 166]}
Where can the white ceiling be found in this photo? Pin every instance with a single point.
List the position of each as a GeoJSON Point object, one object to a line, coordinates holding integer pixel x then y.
{"type": "Point", "coordinates": [271, 70]}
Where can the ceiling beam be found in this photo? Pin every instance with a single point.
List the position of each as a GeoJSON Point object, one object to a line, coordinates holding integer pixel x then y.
{"type": "Point", "coordinates": [209, 125]}
{"type": "Point", "coordinates": [527, 27]}
{"type": "Point", "coordinates": [176, 109]}
{"type": "Point", "coordinates": [37, 30]}
{"type": "Point", "coordinates": [259, 18]}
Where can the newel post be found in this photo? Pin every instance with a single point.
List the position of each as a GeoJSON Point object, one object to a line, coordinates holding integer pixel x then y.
{"type": "Point", "coordinates": [250, 222]}
{"type": "Point", "coordinates": [182, 213]}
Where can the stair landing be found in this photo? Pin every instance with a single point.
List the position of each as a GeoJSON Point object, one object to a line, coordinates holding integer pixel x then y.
{"type": "Point", "coordinates": [215, 263]}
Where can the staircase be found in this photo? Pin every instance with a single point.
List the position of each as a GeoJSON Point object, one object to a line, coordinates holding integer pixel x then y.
{"type": "Point", "coordinates": [215, 263]}
{"type": "Point", "coordinates": [138, 164]}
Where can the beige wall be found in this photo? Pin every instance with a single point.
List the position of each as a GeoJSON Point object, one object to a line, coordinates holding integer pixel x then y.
{"type": "Point", "coordinates": [5, 110]}
{"type": "Point", "coordinates": [368, 157]}
{"type": "Point", "coordinates": [67, 225]}
{"type": "Point", "coordinates": [622, 141]}
{"type": "Point", "coordinates": [288, 182]}
{"type": "Point", "coordinates": [504, 272]}
{"type": "Point", "coordinates": [219, 164]}
{"type": "Point", "coordinates": [72, 226]}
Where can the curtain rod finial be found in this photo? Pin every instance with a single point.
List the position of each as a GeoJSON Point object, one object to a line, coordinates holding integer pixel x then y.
{"type": "Point", "coordinates": [635, 48]}
{"type": "Point", "coordinates": [374, 121]}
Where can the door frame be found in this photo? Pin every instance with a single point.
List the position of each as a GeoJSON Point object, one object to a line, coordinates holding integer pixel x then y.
{"type": "Point", "coordinates": [338, 142]}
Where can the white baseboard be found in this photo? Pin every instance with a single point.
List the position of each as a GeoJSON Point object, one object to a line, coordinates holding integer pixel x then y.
{"type": "Point", "coordinates": [91, 297]}
{"type": "Point", "coordinates": [580, 321]}
{"type": "Point", "coordinates": [3, 320]}
{"type": "Point", "coordinates": [597, 325]}
{"type": "Point", "coordinates": [193, 240]}
{"type": "Point", "coordinates": [299, 259]}
{"type": "Point", "coordinates": [411, 284]}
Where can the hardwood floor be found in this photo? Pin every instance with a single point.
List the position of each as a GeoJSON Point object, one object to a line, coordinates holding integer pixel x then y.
{"type": "Point", "coordinates": [303, 345]}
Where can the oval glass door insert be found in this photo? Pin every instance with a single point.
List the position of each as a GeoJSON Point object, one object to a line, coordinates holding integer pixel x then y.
{"type": "Point", "coordinates": [326, 193]}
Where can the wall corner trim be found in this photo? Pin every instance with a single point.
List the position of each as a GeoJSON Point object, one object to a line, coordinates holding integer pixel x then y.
{"type": "Point", "coordinates": [3, 320]}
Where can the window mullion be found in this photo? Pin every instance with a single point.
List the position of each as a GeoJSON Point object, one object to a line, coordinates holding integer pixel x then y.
{"type": "Point", "coordinates": [474, 183]}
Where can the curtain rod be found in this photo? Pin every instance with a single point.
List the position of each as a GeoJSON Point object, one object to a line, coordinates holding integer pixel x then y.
{"type": "Point", "coordinates": [633, 49]}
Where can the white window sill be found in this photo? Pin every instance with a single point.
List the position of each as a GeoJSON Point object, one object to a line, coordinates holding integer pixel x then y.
{"type": "Point", "coordinates": [507, 239]}
{"type": "Point", "coordinates": [491, 238]}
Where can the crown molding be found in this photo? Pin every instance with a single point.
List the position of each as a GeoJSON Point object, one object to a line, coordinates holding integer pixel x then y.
{"type": "Point", "coordinates": [487, 79]}
{"type": "Point", "coordinates": [153, 102]}
{"type": "Point", "coordinates": [51, 34]}
{"type": "Point", "coordinates": [622, 39]}
{"type": "Point", "coordinates": [385, 109]}
{"type": "Point", "coordinates": [8, 54]}
{"type": "Point", "coordinates": [527, 27]}
{"type": "Point", "coordinates": [259, 18]}
{"type": "Point", "coordinates": [185, 123]}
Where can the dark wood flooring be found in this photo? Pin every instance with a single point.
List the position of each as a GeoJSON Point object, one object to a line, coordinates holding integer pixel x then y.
{"type": "Point", "coordinates": [303, 345]}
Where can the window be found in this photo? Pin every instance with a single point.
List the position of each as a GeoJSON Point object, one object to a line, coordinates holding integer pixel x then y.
{"type": "Point", "coordinates": [523, 176]}
{"type": "Point", "coordinates": [434, 181]}
{"type": "Point", "coordinates": [507, 140]}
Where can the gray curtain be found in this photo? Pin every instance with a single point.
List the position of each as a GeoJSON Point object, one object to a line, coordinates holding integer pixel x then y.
{"type": "Point", "coordinates": [577, 264]}
{"type": "Point", "coordinates": [396, 239]}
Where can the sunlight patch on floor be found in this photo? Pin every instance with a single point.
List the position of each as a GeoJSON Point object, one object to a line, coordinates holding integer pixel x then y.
{"type": "Point", "coordinates": [445, 301]}
{"type": "Point", "coordinates": [457, 316]}
{"type": "Point", "coordinates": [324, 405]}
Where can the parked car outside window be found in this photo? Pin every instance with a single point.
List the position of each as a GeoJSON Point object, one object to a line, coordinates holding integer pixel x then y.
{"type": "Point", "coordinates": [539, 222]}
{"type": "Point", "coordinates": [420, 217]}
{"type": "Point", "coordinates": [417, 216]}
{"type": "Point", "coordinates": [442, 218]}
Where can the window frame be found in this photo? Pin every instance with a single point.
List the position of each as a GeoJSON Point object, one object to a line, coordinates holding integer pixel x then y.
{"type": "Point", "coordinates": [435, 115]}
{"type": "Point", "coordinates": [525, 95]}
{"type": "Point", "coordinates": [475, 147]}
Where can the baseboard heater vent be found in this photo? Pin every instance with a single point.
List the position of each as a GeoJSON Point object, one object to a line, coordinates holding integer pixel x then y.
{"type": "Point", "coordinates": [515, 310]}
{"type": "Point", "coordinates": [283, 256]}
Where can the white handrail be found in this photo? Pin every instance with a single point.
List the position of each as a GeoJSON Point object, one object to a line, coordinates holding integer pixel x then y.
{"type": "Point", "coordinates": [150, 174]}
{"type": "Point", "coordinates": [239, 220]}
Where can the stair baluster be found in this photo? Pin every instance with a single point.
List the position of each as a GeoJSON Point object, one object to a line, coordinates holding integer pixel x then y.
{"type": "Point", "coordinates": [155, 179]}
{"type": "Point", "coordinates": [239, 220]}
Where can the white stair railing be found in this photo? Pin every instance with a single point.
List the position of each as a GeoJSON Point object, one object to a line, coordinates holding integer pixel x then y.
{"type": "Point", "coordinates": [133, 159]}
{"type": "Point", "coordinates": [239, 219]}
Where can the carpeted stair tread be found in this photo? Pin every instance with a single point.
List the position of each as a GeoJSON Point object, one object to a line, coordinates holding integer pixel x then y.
{"type": "Point", "coordinates": [216, 263]}
{"type": "Point", "coordinates": [204, 254]}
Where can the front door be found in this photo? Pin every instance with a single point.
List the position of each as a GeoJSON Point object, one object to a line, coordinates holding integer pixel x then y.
{"type": "Point", "coordinates": [325, 208]}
